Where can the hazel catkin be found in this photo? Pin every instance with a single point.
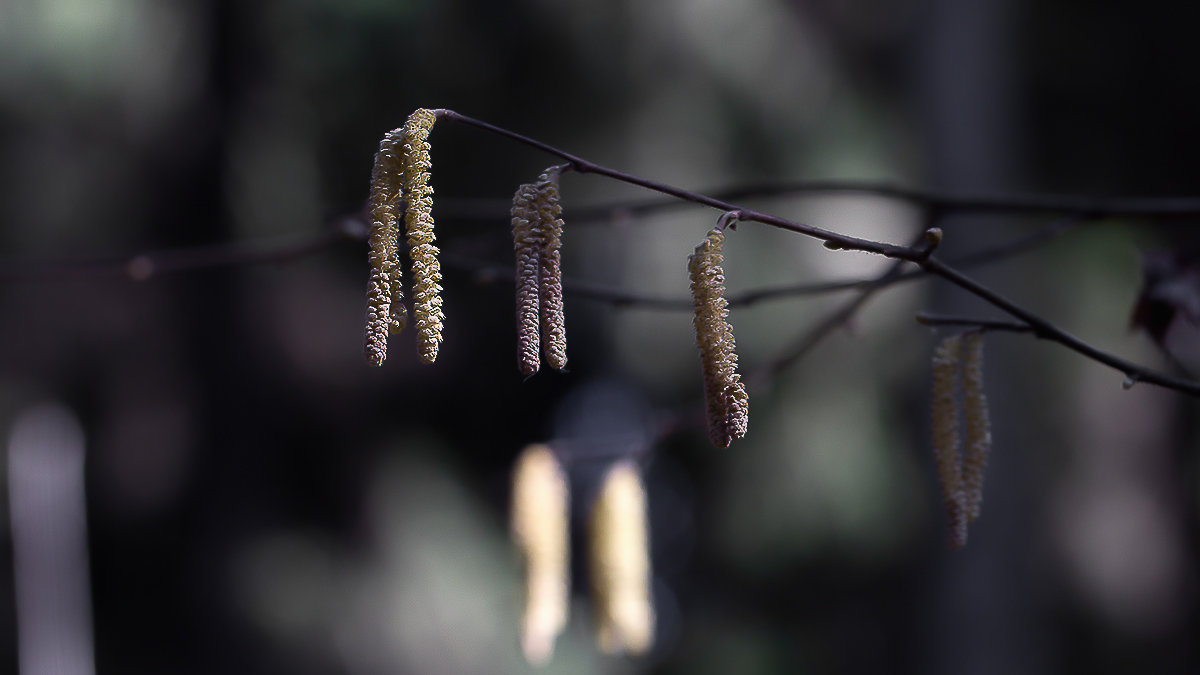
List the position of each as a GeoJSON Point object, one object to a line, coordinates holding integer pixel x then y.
{"type": "Point", "coordinates": [418, 219]}
{"type": "Point", "coordinates": [540, 529]}
{"type": "Point", "coordinates": [620, 563]}
{"type": "Point", "coordinates": [527, 244]}
{"type": "Point", "coordinates": [979, 434]}
{"type": "Point", "coordinates": [726, 401]}
{"type": "Point", "coordinates": [946, 359]}
{"type": "Point", "coordinates": [385, 312]}
{"type": "Point", "coordinates": [550, 227]}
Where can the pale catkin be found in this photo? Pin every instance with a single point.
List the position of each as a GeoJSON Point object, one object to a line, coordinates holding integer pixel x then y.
{"type": "Point", "coordinates": [979, 433]}
{"type": "Point", "coordinates": [385, 311]}
{"type": "Point", "coordinates": [527, 244]}
{"type": "Point", "coordinates": [946, 359]}
{"type": "Point", "coordinates": [554, 331]}
{"type": "Point", "coordinates": [726, 401]}
{"type": "Point", "coordinates": [620, 563]}
{"type": "Point", "coordinates": [540, 529]}
{"type": "Point", "coordinates": [418, 218]}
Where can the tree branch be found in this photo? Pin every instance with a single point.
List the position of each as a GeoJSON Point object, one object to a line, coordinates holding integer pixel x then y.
{"type": "Point", "coordinates": [154, 264]}
{"type": "Point", "coordinates": [580, 165]}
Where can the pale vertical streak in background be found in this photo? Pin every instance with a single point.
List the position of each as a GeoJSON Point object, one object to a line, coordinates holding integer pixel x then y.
{"type": "Point", "coordinates": [49, 533]}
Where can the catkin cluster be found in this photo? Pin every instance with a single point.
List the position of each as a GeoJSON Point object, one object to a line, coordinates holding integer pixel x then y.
{"type": "Point", "coordinates": [540, 529]}
{"type": "Point", "coordinates": [958, 377]}
{"type": "Point", "coordinates": [401, 173]}
{"type": "Point", "coordinates": [619, 555]}
{"type": "Point", "coordinates": [537, 239]}
{"type": "Point", "coordinates": [728, 406]}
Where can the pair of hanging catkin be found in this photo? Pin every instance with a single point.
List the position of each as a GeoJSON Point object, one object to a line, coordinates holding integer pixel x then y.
{"type": "Point", "coordinates": [402, 172]}
{"type": "Point", "coordinates": [958, 379]}
{"type": "Point", "coordinates": [620, 560]}
{"type": "Point", "coordinates": [727, 404]}
{"type": "Point", "coordinates": [537, 239]}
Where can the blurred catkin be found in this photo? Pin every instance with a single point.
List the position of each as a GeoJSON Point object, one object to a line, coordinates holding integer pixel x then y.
{"type": "Point", "coordinates": [946, 359]}
{"type": "Point", "coordinates": [727, 403]}
{"type": "Point", "coordinates": [418, 218]}
{"type": "Point", "coordinates": [979, 433]}
{"type": "Point", "coordinates": [620, 563]}
{"type": "Point", "coordinates": [540, 522]}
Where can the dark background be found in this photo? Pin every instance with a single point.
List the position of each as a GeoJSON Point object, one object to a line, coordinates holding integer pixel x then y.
{"type": "Point", "coordinates": [259, 501]}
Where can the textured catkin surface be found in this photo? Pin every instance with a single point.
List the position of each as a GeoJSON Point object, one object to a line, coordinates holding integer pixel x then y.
{"type": "Point", "coordinates": [385, 313]}
{"type": "Point", "coordinates": [418, 219]}
{"type": "Point", "coordinates": [526, 244]}
{"type": "Point", "coordinates": [726, 401]}
{"type": "Point", "coordinates": [554, 330]}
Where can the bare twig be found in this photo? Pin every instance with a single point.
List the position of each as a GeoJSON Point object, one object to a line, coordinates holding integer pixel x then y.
{"type": "Point", "coordinates": [766, 372]}
{"type": "Point", "coordinates": [931, 201]}
{"type": "Point", "coordinates": [155, 264]}
{"type": "Point", "coordinates": [926, 319]}
{"type": "Point", "coordinates": [580, 165]}
{"type": "Point", "coordinates": [1045, 330]}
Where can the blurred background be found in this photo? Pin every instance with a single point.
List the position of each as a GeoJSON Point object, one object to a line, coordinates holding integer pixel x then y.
{"type": "Point", "coordinates": [203, 476]}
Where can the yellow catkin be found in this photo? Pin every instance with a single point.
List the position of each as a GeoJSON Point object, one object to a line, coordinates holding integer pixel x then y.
{"type": "Point", "coordinates": [554, 331]}
{"type": "Point", "coordinates": [526, 244]}
{"type": "Point", "coordinates": [620, 563]}
{"type": "Point", "coordinates": [385, 313]}
{"type": "Point", "coordinates": [727, 403]}
{"type": "Point", "coordinates": [418, 219]}
{"type": "Point", "coordinates": [946, 359]}
{"type": "Point", "coordinates": [540, 529]}
{"type": "Point", "coordinates": [979, 433]}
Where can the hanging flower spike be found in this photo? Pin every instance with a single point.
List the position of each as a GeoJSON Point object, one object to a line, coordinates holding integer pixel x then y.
{"type": "Point", "coordinates": [527, 243]}
{"type": "Point", "coordinates": [385, 313]}
{"type": "Point", "coordinates": [946, 360]}
{"type": "Point", "coordinates": [725, 395]}
{"type": "Point", "coordinates": [418, 219]}
{"type": "Point", "coordinates": [540, 522]}
{"type": "Point", "coordinates": [979, 433]}
{"type": "Point", "coordinates": [620, 564]}
{"type": "Point", "coordinates": [554, 331]}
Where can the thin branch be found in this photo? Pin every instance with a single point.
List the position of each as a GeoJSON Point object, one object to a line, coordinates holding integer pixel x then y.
{"type": "Point", "coordinates": [813, 337]}
{"type": "Point", "coordinates": [929, 200]}
{"type": "Point", "coordinates": [580, 165]}
{"type": "Point", "coordinates": [1045, 330]}
{"type": "Point", "coordinates": [155, 264]}
{"type": "Point", "coordinates": [486, 273]}
{"type": "Point", "coordinates": [927, 319]}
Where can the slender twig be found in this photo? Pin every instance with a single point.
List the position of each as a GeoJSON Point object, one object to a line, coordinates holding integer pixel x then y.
{"type": "Point", "coordinates": [927, 319]}
{"type": "Point", "coordinates": [486, 273]}
{"type": "Point", "coordinates": [154, 264]}
{"type": "Point", "coordinates": [929, 200]}
{"type": "Point", "coordinates": [1045, 330]}
{"type": "Point", "coordinates": [580, 165]}
{"type": "Point", "coordinates": [813, 337]}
